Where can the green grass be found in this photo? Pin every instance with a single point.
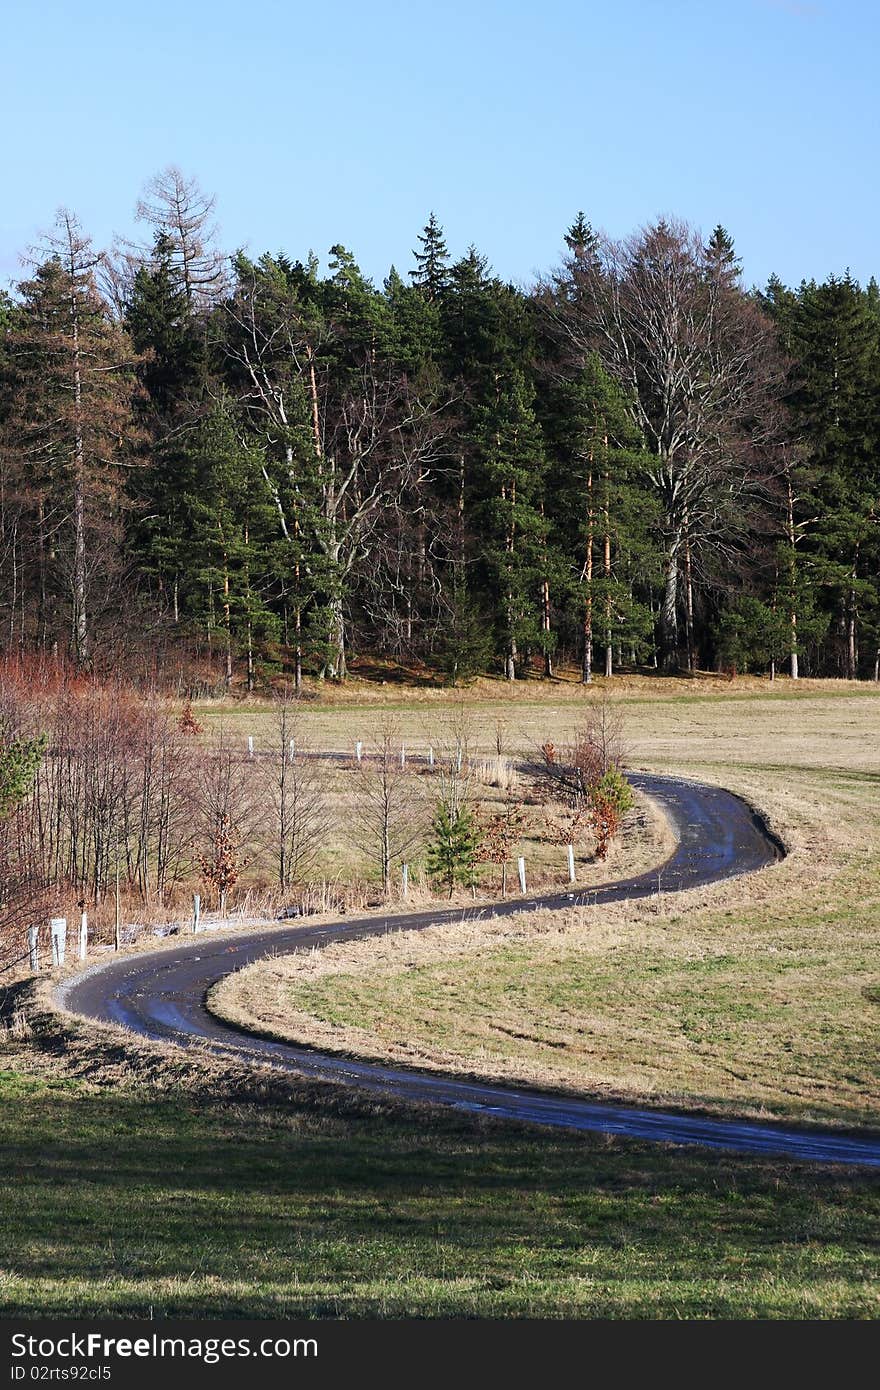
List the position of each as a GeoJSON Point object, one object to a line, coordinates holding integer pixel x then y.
{"type": "Point", "coordinates": [121, 1202]}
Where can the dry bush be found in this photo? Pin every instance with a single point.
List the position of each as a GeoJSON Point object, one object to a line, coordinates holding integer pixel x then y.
{"type": "Point", "coordinates": [187, 722]}
{"type": "Point", "coordinates": [501, 833]}
{"type": "Point", "coordinates": [569, 773]}
{"type": "Point", "coordinates": [498, 772]}
{"type": "Point", "coordinates": [229, 812]}
{"type": "Point", "coordinates": [606, 819]}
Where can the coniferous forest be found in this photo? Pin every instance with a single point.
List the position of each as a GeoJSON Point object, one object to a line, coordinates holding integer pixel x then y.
{"type": "Point", "coordinates": [227, 470]}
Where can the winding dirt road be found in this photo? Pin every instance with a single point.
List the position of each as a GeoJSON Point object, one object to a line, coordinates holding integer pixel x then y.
{"type": "Point", "coordinates": [161, 995]}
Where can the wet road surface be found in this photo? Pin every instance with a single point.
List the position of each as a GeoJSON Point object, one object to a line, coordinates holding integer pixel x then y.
{"type": "Point", "coordinates": [161, 995]}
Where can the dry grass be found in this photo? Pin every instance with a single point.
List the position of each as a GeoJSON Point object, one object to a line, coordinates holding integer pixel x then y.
{"type": "Point", "coordinates": [759, 995]}
{"type": "Point", "coordinates": [343, 872]}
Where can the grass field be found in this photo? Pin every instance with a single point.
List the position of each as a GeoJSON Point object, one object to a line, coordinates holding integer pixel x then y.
{"type": "Point", "coordinates": [166, 1189]}
{"type": "Point", "coordinates": [760, 996]}
{"type": "Point", "coordinates": [143, 1179]}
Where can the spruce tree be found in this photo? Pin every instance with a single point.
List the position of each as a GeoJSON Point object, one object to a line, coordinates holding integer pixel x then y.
{"type": "Point", "coordinates": [431, 274]}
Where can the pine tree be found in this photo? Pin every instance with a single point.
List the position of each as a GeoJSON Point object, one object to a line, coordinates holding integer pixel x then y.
{"type": "Point", "coordinates": [833, 332]}
{"type": "Point", "coordinates": [465, 645]}
{"type": "Point", "coordinates": [721, 258]}
{"type": "Point", "coordinates": [511, 465]}
{"type": "Point", "coordinates": [229, 582]}
{"type": "Point", "coordinates": [453, 849]}
{"type": "Point", "coordinates": [582, 241]}
{"type": "Point", "coordinates": [165, 333]}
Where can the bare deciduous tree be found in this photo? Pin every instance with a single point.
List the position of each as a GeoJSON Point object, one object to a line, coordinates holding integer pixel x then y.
{"type": "Point", "coordinates": [699, 368]}
{"type": "Point", "coordinates": [342, 446]}
{"type": "Point", "coordinates": [389, 812]}
{"type": "Point", "coordinates": [299, 813]}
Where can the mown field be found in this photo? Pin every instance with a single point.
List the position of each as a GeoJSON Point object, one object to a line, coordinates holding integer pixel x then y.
{"type": "Point", "coordinates": [140, 1178]}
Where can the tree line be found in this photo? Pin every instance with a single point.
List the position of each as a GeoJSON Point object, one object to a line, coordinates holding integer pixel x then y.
{"type": "Point", "coordinates": [246, 467]}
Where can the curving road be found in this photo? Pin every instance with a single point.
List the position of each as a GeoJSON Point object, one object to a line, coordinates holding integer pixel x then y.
{"type": "Point", "coordinates": [162, 995]}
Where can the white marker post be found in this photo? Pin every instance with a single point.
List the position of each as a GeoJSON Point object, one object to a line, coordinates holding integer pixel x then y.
{"type": "Point", "coordinates": [33, 934]}
{"type": "Point", "coordinates": [430, 757]}
{"type": "Point", "coordinates": [58, 933]}
{"type": "Point", "coordinates": [197, 910]}
{"type": "Point", "coordinates": [521, 865]}
{"type": "Point", "coordinates": [571, 863]}
{"type": "Point", "coordinates": [292, 753]}
{"type": "Point", "coordinates": [405, 875]}
{"type": "Point", "coordinates": [459, 760]}
{"type": "Point", "coordinates": [83, 935]}
{"type": "Point", "coordinates": [358, 750]}
{"type": "Point", "coordinates": [250, 745]}
{"type": "Point", "coordinates": [403, 755]}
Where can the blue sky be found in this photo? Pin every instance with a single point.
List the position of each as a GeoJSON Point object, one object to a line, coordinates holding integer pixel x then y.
{"type": "Point", "coordinates": [316, 123]}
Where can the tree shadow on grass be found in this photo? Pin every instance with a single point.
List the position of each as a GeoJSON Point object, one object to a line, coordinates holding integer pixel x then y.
{"type": "Point", "coordinates": [121, 1200]}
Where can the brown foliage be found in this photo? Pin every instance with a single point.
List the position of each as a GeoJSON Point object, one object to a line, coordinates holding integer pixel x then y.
{"type": "Point", "coordinates": [500, 833]}
{"type": "Point", "coordinates": [188, 722]}
{"type": "Point", "coordinates": [569, 774]}
{"type": "Point", "coordinates": [606, 823]}
{"type": "Point", "coordinates": [222, 866]}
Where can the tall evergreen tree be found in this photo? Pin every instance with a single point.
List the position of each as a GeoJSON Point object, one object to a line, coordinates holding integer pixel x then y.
{"type": "Point", "coordinates": [431, 273]}
{"type": "Point", "coordinates": [71, 373]}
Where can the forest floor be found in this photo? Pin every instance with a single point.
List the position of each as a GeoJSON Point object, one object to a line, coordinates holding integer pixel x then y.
{"type": "Point", "coordinates": [142, 1179]}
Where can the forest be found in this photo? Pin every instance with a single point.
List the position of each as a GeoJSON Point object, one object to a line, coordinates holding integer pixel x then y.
{"type": "Point", "coordinates": [220, 472]}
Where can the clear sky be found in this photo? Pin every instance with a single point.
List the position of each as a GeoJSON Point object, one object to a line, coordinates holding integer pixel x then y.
{"type": "Point", "coordinates": [315, 123]}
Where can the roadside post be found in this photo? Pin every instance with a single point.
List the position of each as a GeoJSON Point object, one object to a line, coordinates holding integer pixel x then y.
{"type": "Point", "coordinates": [83, 934]}
{"type": "Point", "coordinates": [571, 863]}
{"type": "Point", "coordinates": [197, 910]}
{"type": "Point", "coordinates": [58, 933]}
{"type": "Point", "coordinates": [405, 875]}
{"type": "Point", "coordinates": [33, 934]}
{"type": "Point", "coordinates": [521, 865]}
